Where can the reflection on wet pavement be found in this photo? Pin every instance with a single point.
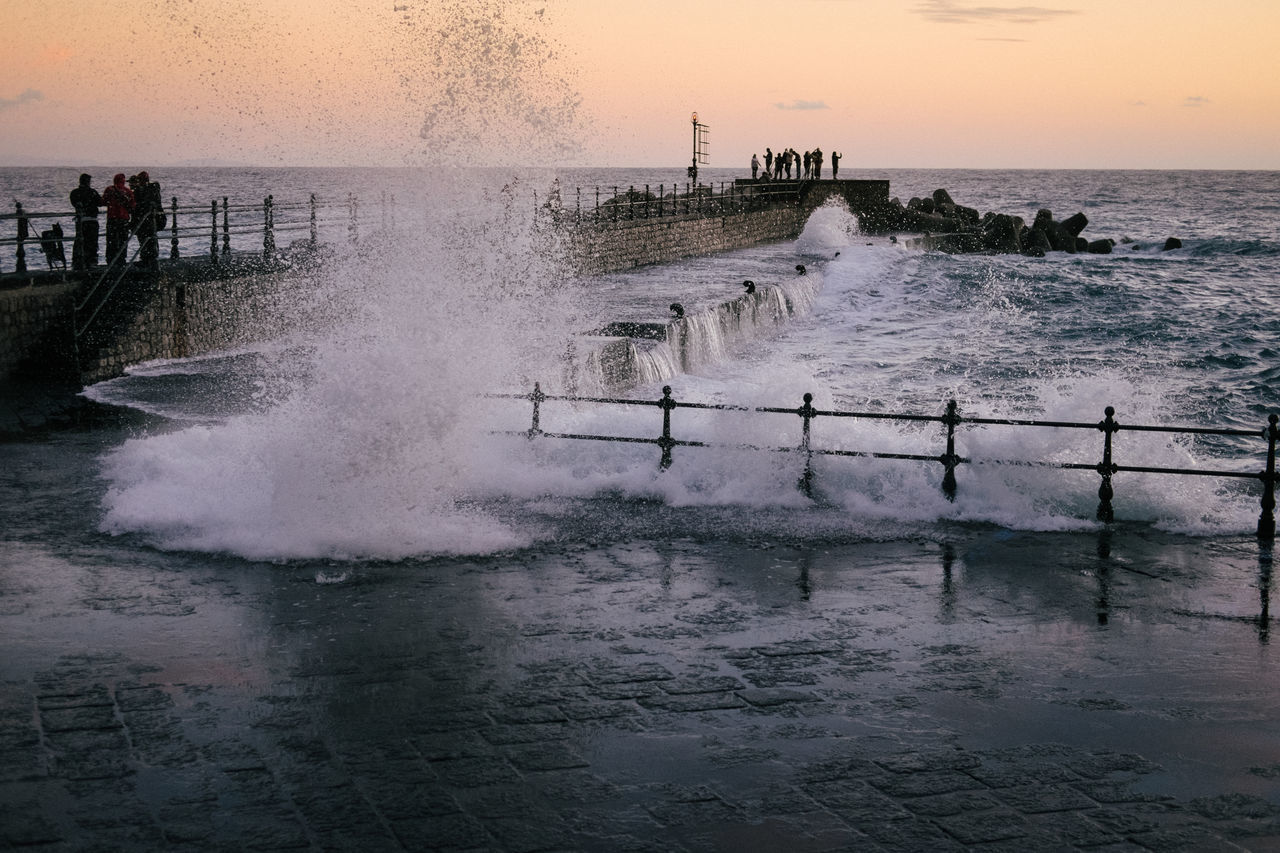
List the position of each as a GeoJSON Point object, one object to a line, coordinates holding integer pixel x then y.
{"type": "Point", "coordinates": [1030, 690]}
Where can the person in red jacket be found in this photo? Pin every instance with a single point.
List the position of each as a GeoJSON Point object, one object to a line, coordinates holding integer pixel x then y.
{"type": "Point", "coordinates": [119, 200]}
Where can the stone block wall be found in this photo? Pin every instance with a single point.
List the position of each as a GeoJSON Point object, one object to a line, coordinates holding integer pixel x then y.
{"type": "Point", "coordinates": [30, 314]}
{"type": "Point", "coordinates": [616, 246]}
{"type": "Point", "coordinates": [182, 319]}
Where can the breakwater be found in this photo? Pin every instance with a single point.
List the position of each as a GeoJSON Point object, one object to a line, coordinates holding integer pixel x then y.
{"type": "Point", "coordinates": [80, 328]}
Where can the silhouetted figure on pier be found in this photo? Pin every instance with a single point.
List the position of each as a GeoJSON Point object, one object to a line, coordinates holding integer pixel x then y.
{"type": "Point", "coordinates": [768, 161]}
{"type": "Point", "coordinates": [119, 201]}
{"type": "Point", "coordinates": [147, 213]}
{"type": "Point", "coordinates": [777, 165]}
{"type": "Point", "coordinates": [835, 165]}
{"type": "Point", "coordinates": [808, 164]}
{"type": "Point", "coordinates": [86, 201]}
{"type": "Point", "coordinates": [817, 164]}
{"type": "Point", "coordinates": [755, 166]}
{"type": "Point", "coordinates": [786, 163]}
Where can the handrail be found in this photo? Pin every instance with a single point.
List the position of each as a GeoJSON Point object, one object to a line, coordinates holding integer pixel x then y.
{"type": "Point", "coordinates": [688, 200]}
{"type": "Point", "coordinates": [205, 230]}
{"type": "Point", "coordinates": [951, 419]}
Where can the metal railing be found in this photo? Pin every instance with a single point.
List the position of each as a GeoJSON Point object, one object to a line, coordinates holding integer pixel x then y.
{"type": "Point", "coordinates": [627, 204]}
{"type": "Point", "coordinates": [951, 418]}
{"type": "Point", "coordinates": [197, 230]}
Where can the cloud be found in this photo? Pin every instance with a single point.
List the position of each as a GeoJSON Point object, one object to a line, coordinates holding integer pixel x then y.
{"type": "Point", "coordinates": [799, 104]}
{"type": "Point", "coordinates": [26, 96]}
{"type": "Point", "coordinates": [1195, 101]}
{"type": "Point", "coordinates": [949, 12]}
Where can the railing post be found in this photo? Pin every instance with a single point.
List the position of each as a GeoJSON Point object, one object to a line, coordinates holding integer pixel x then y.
{"type": "Point", "coordinates": [213, 231]}
{"type": "Point", "coordinates": [536, 398]}
{"type": "Point", "coordinates": [226, 227]}
{"type": "Point", "coordinates": [647, 203]}
{"type": "Point", "coordinates": [23, 233]}
{"type": "Point", "coordinates": [631, 202]}
{"type": "Point", "coordinates": [666, 442]}
{"type": "Point", "coordinates": [662, 197]}
{"type": "Point", "coordinates": [268, 229]}
{"type": "Point", "coordinates": [173, 228]}
{"type": "Point", "coordinates": [615, 204]}
{"type": "Point", "coordinates": [315, 232]}
{"type": "Point", "coordinates": [1267, 520]}
{"type": "Point", "coordinates": [807, 413]}
{"type": "Point", "coordinates": [949, 459]}
{"type": "Point", "coordinates": [577, 215]}
{"type": "Point", "coordinates": [597, 213]}
{"type": "Point", "coordinates": [1106, 468]}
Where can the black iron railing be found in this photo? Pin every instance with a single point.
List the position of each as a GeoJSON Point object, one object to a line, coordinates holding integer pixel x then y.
{"type": "Point", "coordinates": [193, 230]}
{"type": "Point", "coordinates": [597, 205]}
{"type": "Point", "coordinates": [951, 418]}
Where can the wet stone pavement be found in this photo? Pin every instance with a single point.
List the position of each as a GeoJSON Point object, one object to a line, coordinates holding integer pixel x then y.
{"type": "Point", "coordinates": [996, 691]}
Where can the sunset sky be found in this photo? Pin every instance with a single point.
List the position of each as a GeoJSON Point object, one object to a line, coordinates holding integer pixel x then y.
{"type": "Point", "coordinates": [891, 83]}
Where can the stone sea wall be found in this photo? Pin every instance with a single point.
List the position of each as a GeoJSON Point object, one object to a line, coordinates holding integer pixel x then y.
{"type": "Point", "coordinates": [28, 316]}
{"type": "Point", "coordinates": [161, 318]}
{"type": "Point", "coordinates": [616, 246]}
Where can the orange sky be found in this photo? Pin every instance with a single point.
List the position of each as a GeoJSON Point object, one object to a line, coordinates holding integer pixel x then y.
{"type": "Point", "coordinates": [891, 83]}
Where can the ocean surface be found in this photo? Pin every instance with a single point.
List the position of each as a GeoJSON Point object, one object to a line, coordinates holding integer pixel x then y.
{"type": "Point", "coordinates": [371, 438]}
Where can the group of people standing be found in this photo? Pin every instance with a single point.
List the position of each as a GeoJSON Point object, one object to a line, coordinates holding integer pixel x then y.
{"type": "Point", "coordinates": [778, 166]}
{"type": "Point", "coordinates": [134, 207]}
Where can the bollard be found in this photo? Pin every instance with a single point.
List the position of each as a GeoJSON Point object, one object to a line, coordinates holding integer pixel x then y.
{"type": "Point", "coordinates": [807, 413]}
{"type": "Point", "coordinates": [949, 459]}
{"type": "Point", "coordinates": [536, 397]}
{"type": "Point", "coordinates": [1267, 520]}
{"type": "Point", "coordinates": [173, 229]}
{"type": "Point", "coordinates": [665, 442]}
{"type": "Point", "coordinates": [1106, 468]}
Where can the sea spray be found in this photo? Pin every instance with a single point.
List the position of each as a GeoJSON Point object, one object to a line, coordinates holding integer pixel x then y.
{"type": "Point", "coordinates": [370, 456]}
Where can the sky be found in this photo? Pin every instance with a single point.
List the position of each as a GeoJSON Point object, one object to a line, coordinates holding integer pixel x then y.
{"type": "Point", "coordinates": [1125, 84]}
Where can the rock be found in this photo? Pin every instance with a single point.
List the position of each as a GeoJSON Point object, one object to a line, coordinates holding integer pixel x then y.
{"type": "Point", "coordinates": [958, 244]}
{"type": "Point", "coordinates": [1099, 247]}
{"type": "Point", "coordinates": [1002, 234]}
{"type": "Point", "coordinates": [941, 197]}
{"type": "Point", "coordinates": [1038, 240]}
{"type": "Point", "coordinates": [1075, 224]}
{"type": "Point", "coordinates": [1172, 243]}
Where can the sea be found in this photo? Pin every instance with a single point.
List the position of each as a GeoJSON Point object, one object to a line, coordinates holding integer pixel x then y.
{"type": "Point", "coordinates": [372, 434]}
